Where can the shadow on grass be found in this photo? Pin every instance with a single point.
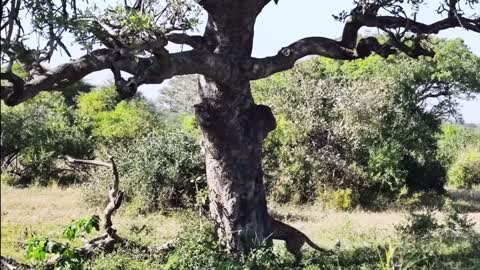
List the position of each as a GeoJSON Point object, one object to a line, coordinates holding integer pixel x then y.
{"type": "Point", "coordinates": [465, 200]}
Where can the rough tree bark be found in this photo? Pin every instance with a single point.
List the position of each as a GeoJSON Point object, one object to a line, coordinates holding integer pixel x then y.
{"type": "Point", "coordinates": [233, 126]}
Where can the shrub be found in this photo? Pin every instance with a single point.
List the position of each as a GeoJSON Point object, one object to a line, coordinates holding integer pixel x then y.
{"type": "Point", "coordinates": [126, 258]}
{"type": "Point", "coordinates": [342, 199]}
{"type": "Point", "coordinates": [453, 140]}
{"type": "Point", "coordinates": [126, 121]}
{"type": "Point", "coordinates": [7, 179]}
{"type": "Point", "coordinates": [264, 258]}
{"type": "Point", "coordinates": [465, 170]}
{"type": "Point", "coordinates": [197, 248]}
{"type": "Point", "coordinates": [161, 170]}
{"type": "Point", "coordinates": [300, 164]}
{"type": "Point", "coordinates": [99, 100]}
{"type": "Point", "coordinates": [109, 120]}
{"type": "Point", "coordinates": [361, 124]}
{"type": "Point", "coordinates": [36, 132]}
{"type": "Point", "coordinates": [385, 167]}
{"type": "Point", "coordinates": [455, 221]}
{"type": "Point", "coordinates": [419, 225]}
{"type": "Point", "coordinates": [436, 245]}
{"type": "Point", "coordinates": [287, 168]}
{"type": "Point", "coordinates": [424, 225]}
{"type": "Point", "coordinates": [67, 255]}
{"type": "Point", "coordinates": [190, 125]}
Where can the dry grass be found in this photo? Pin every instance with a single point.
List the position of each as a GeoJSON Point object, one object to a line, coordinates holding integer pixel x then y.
{"type": "Point", "coordinates": [46, 211]}
{"type": "Point", "coordinates": [353, 229]}
{"type": "Point", "coordinates": [38, 205]}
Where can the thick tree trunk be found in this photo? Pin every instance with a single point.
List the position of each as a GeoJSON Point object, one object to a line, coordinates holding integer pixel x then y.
{"type": "Point", "coordinates": [234, 129]}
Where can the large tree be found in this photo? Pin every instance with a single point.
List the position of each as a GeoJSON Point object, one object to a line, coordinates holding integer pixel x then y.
{"type": "Point", "coordinates": [132, 39]}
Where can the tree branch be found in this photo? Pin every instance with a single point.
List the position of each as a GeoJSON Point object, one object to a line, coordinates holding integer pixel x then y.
{"type": "Point", "coordinates": [196, 42]}
{"type": "Point", "coordinates": [115, 197]}
{"type": "Point", "coordinates": [153, 70]}
{"type": "Point", "coordinates": [64, 75]}
{"type": "Point", "coordinates": [421, 28]}
{"type": "Point", "coordinates": [255, 68]}
{"type": "Point", "coordinates": [349, 48]}
{"type": "Point", "coordinates": [225, 69]}
{"type": "Point", "coordinates": [72, 160]}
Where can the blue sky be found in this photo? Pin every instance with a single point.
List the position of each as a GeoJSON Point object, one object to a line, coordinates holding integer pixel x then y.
{"type": "Point", "coordinates": [279, 25]}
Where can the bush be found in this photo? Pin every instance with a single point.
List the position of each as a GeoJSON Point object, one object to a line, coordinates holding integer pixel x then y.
{"type": "Point", "coordinates": [342, 199]}
{"type": "Point", "coordinates": [126, 258]}
{"type": "Point", "coordinates": [68, 256]}
{"type": "Point", "coordinates": [419, 225]}
{"type": "Point", "coordinates": [7, 179]}
{"type": "Point", "coordinates": [385, 167]}
{"type": "Point", "coordinates": [426, 243]}
{"type": "Point", "coordinates": [453, 140]}
{"type": "Point", "coordinates": [126, 121]}
{"type": "Point", "coordinates": [465, 170]}
{"type": "Point", "coordinates": [161, 170]}
{"type": "Point", "coordinates": [198, 248]}
{"type": "Point", "coordinates": [95, 102]}
{"type": "Point", "coordinates": [36, 132]}
{"type": "Point", "coordinates": [109, 120]}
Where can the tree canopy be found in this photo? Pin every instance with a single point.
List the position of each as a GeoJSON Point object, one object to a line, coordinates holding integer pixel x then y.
{"type": "Point", "coordinates": [133, 39]}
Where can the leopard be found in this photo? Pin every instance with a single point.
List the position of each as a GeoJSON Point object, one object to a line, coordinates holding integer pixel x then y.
{"type": "Point", "coordinates": [294, 239]}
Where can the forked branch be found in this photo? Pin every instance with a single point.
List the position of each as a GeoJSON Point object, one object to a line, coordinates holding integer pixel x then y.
{"type": "Point", "coordinates": [115, 198]}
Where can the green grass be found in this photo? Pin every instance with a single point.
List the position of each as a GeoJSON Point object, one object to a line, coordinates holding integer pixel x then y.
{"type": "Point", "coordinates": [363, 235]}
{"type": "Point", "coordinates": [14, 237]}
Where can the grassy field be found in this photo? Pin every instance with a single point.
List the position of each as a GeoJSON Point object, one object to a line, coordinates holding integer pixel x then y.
{"type": "Point", "coordinates": [46, 211]}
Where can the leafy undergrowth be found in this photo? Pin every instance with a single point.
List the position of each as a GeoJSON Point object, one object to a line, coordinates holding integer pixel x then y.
{"type": "Point", "coordinates": [425, 240]}
{"type": "Point", "coordinates": [422, 242]}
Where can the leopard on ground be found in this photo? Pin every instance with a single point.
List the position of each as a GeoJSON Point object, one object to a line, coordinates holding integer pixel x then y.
{"type": "Point", "coordinates": [294, 239]}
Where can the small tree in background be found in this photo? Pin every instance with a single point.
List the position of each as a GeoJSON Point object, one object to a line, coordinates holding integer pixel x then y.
{"type": "Point", "coordinates": [179, 95]}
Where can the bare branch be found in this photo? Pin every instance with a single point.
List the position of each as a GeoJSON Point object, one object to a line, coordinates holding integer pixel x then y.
{"type": "Point", "coordinates": [255, 68]}
{"type": "Point", "coordinates": [421, 28]}
{"type": "Point", "coordinates": [196, 42]}
{"type": "Point", "coordinates": [115, 197]}
{"type": "Point", "coordinates": [88, 162]}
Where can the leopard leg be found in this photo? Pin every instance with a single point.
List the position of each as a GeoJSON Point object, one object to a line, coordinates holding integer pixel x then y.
{"type": "Point", "coordinates": [294, 246]}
